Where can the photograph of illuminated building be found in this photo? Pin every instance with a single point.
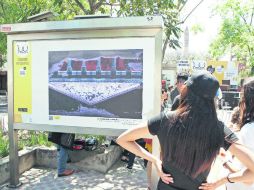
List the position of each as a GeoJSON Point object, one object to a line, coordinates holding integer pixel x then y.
{"type": "Point", "coordinates": [96, 83]}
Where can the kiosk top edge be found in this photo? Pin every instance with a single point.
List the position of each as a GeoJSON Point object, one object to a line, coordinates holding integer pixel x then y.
{"type": "Point", "coordinates": [141, 22]}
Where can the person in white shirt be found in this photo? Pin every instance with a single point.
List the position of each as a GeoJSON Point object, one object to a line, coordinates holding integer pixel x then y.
{"type": "Point", "coordinates": [246, 133]}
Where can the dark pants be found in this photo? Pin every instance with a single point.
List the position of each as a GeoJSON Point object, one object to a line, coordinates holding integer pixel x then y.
{"type": "Point", "coordinates": [132, 156]}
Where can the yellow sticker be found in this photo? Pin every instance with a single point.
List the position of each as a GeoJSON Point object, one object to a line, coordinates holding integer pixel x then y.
{"type": "Point", "coordinates": [22, 68]}
{"type": "Point", "coordinates": [17, 118]}
{"type": "Point", "coordinates": [56, 116]}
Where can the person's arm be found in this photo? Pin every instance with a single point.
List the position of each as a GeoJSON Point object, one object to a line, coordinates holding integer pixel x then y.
{"type": "Point", "coordinates": [246, 157]}
{"type": "Point", "coordinates": [127, 141]}
{"type": "Point", "coordinates": [230, 166]}
{"type": "Point", "coordinates": [227, 160]}
{"type": "Point", "coordinates": [247, 176]}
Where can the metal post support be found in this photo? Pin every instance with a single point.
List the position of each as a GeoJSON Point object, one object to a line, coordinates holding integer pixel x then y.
{"type": "Point", "coordinates": [14, 159]}
{"type": "Point", "coordinates": [13, 133]}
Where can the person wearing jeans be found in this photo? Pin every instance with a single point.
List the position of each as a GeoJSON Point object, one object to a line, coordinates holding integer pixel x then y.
{"type": "Point", "coordinates": [62, 157]}
{"type": "Point", "coordinates": [131, 156]}
{"type": "Point", "coordinates": [63, 142]}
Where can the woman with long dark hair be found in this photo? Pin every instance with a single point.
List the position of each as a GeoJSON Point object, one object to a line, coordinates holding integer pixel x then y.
{"type": "Point", "coordinates": [246, 133]}
{"type": "Point", "coordinates": [247, 104]}
{"type": "Point", "coordinates": [190, 138]}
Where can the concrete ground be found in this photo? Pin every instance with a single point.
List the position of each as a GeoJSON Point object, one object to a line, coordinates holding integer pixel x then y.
{"type": "Point", "coordinates": [117, 178]}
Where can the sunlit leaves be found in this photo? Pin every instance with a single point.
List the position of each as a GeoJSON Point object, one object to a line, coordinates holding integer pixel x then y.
{"type": "Point", "coordinates": [168, 9]}
{"type": "Point", "coordinates": [236, 35]}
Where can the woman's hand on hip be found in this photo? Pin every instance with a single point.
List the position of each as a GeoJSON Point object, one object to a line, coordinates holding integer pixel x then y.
{"type": "Point", "coordinates": [166, 178]}
{"type": "Point", "coordinates": [212, 186]}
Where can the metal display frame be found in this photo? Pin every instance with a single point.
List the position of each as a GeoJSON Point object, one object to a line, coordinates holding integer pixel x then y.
{"type": "Point", "coordinates": [151, 26]}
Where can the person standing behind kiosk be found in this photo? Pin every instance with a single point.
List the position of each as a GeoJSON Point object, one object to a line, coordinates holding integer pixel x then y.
{"type": "Point", "coordinates": [64, 141]}
{"type": "Point", "coordinates": [180, 79]}
{"type": "Point", "coordinates": [175, 96]}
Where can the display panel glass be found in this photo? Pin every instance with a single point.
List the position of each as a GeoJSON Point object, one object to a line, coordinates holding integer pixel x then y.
{"type": "Point", "coordinates": [105, 83]}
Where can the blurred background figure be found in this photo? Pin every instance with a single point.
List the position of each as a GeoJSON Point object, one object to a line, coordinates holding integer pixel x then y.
{"type": "Point", "coordinates": [164, 99]}
{"type": "Point", "coordinates": [170, 89]}
{"type": "Point", "coordinates": [180, 80]}
{"type": "Point", "coordinates": [234, 124]}
{"type": "Point", "coordinates": [175, 94]}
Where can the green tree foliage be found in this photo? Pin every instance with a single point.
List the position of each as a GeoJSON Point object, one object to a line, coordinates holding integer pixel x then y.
{"type": "Point", "coordinates": [4, 145]}
{"type": "Point", "coordinates": [236, 35]}
{"type": "Point", "coordinates": [67, 9]}
{"type": "Point", "coordinates": [168, 9]}
{"type": "Point", "coordinates": [197, 28]}
{"type": "Point", "coordinates": [17, 11]}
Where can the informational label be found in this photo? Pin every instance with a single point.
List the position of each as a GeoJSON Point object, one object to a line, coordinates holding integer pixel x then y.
{"type": "Point", "coordinates": [198, 65]}
{"type": "Point", "coordinates": [183, 66]}
{"type": "Point", "coordinates": [5, 28]}
{"type": "Point", "coordinates": [232, 73]}
{"type": "Point", "coordinates": [22, 80]}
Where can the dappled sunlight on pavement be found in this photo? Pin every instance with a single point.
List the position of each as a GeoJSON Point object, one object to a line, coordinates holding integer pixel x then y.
{"type": "Point", "coordinates": [118, 177]}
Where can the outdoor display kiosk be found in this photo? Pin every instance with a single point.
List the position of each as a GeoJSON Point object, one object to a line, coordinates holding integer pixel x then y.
{"type": "Point", "coordinates": [92, 76]}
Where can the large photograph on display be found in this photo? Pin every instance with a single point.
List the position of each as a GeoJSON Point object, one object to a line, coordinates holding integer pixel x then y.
{"type": "Point", "coordinates": [96, 83]}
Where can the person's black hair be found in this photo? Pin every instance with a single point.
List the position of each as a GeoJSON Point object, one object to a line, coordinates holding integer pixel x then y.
{"type": "Point", "coordinates": [194, 135]}
{"type": "Point", "coordinates": [176, 103]}
{"type": "Point", "coordinates": [182, 76]}
{"type": "Point", "coordinates": [247, 102]}
{"type": "Point", "coordinates": [211, 69]}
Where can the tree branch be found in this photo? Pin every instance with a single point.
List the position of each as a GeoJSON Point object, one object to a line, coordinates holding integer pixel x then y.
{"type": "Point", "coordinates": [90, 5]}
{"type": "Point", "coordinates": [252, 14]}
{"type": "Point", "coordinates": [2, 6]}
{"type": "Point", "coordinates": [81, 6]}
{"type": "Point", "coordinates": [183, 5]}
{"type": "Point", "coordinates": [245, 21]}
{"type": "Point", "coordinates": [69, 2]}
{"type": "Point", "coordinates": [97, 5]}
{"type": "Point", "coordinates": [190, 12]}
{"type": "Point", "coordinates": [249, 50]}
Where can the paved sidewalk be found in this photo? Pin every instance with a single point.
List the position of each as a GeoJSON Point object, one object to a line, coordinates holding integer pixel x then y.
{"type": "Point", "coordinates": [117, 178]}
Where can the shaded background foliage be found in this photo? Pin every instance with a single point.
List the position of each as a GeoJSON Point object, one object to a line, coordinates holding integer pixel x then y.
{"type": "Point", "coordinates": [236, 35]}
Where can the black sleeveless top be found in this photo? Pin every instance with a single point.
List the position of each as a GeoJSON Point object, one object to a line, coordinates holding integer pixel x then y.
{"type": "Point", "coordinates": [157, 126]}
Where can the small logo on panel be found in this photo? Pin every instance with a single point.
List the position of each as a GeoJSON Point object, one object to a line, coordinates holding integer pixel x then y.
{"type": "Point", "coordinates": [22, 49]}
